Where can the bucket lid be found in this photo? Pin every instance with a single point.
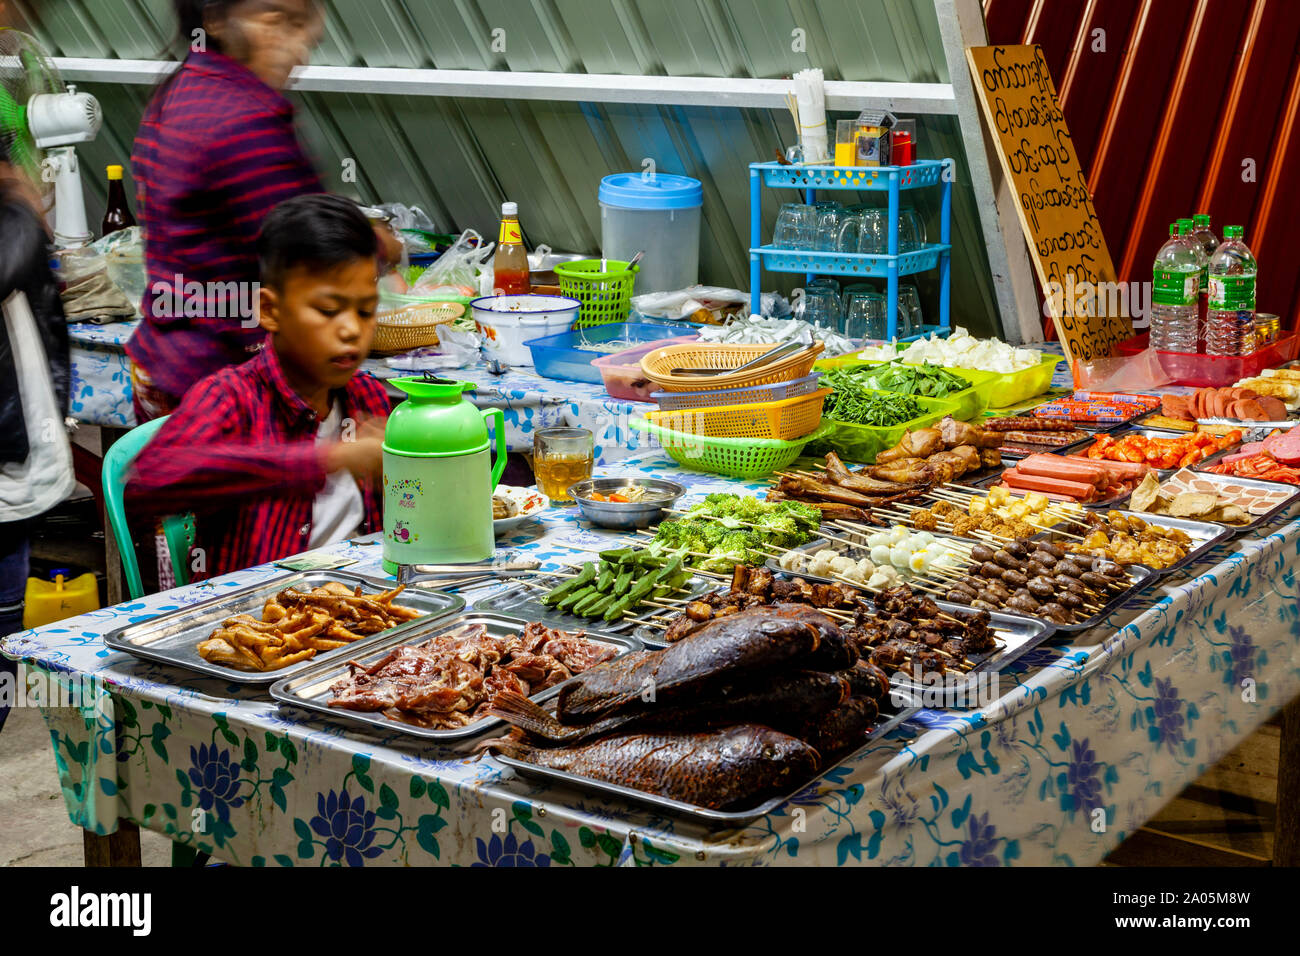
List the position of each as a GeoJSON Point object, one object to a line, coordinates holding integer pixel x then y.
{"type": "Point", "coordinates": [436, 421]}
{"type": "Point", "coordinates": [658, 191]}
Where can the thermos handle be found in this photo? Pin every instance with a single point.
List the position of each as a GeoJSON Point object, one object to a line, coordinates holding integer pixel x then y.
{"type": "Point", "coordinates": [498, 419]}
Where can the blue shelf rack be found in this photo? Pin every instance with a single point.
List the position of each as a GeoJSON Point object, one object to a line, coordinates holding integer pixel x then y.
{"type": "Point", "coordinates": [892, 179]}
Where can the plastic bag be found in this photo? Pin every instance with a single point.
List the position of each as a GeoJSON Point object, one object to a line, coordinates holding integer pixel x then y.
{"type": "Point", "coordinates": [681, 303]}
{"type": "Point", "coordinates": [407, 217]}
{"type": "Point", "coordinates": [454, 277]}
{"type": "Point", "coordinates": [455, 349]}
{"type": "Point", "coordinates": [1122, 373]}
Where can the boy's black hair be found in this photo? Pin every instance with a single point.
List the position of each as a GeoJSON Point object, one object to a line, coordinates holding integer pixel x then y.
{"type": "Point", "coordinates": [319, 231]}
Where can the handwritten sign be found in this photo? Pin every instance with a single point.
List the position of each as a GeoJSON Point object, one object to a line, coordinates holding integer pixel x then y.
{"type": "Point", "coordinates": [1089, 307]}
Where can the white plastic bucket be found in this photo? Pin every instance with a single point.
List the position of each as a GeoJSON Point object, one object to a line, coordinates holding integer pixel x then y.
{"type": "Point", "coordinates": [659, 214]}
{"type": "Point", "coordinates": [508, 321]}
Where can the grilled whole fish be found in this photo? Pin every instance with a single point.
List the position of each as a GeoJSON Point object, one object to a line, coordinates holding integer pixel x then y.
{"type": "Point", "coordinates": [718, 769]}
{"type": "Point", "coordinates": [755, 639]}
{"type": "Point", "coordinates": [780, 700]}
{"type": "Point", "coordinates": [867, 680]}
{"type": "Point", "coordinates": [842, 729]}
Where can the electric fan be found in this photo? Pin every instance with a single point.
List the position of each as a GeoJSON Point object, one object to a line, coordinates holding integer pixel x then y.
{"type": "Point", "coordinates": [41, 121]}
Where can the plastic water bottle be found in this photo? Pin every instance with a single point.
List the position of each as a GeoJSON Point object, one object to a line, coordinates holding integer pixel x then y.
{"type": "Point", "coordinates": [1202, 234]}
{"type": "Point", "coordinates": [1230, 327]}
{"type": "Point", "coordinates": [1175, 287]}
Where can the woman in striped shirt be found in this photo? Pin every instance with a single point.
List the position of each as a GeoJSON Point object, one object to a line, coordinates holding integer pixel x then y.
{"type": "Point", "coordinates": [216, 151]}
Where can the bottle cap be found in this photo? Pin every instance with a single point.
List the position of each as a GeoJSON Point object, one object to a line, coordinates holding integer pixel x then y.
{"type": "Point", "coordinates": [1201, 219]}
{"type": "Point", "coordinates": [1184, 225]}
{"type": "Point", "coordinates": [1232, 232]}
{"type": "Point", "coordinates": [114, 173]}
{"type": "Point", "coordinates": [1173, 229]}
{"type": "Point", "coordinates": [510, 209]}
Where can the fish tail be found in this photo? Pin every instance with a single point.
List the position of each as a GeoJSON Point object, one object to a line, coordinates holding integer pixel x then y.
{"type": "Point", "coordinates": [506, 746]}
{"type": "Point", "coordinates": [526, 715]}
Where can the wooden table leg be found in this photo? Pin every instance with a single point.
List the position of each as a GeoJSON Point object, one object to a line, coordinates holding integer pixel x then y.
{"type": "Point", "coordinates": [1286, 840]}
{"type": "Point", "coordinates": [117, 849]}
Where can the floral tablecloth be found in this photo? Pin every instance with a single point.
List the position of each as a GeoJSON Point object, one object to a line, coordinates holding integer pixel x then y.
{"type": "Point", "coordinates": [1088, 740]}
{"type": "Point", "coordinates": [101, 395]}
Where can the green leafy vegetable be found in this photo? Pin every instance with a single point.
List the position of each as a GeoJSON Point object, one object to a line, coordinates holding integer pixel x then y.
{"type": "Point", "coordinates": [928, 380]}
{"type": "Point", "coordinates": [858, 403]}
{"type": "Point", "coordinates": [735, 529]}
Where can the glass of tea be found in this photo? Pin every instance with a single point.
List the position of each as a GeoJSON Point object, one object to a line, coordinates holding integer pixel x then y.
{"type": "Point", "coordinates": [562, 457]}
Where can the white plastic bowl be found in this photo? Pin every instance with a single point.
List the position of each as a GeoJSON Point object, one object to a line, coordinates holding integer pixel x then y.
{"type": "Point", "coordinates": [508, 321]}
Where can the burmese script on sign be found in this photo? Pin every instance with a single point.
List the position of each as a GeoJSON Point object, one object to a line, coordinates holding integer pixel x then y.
{"type": "Point", "coordinates": [1088, 306]}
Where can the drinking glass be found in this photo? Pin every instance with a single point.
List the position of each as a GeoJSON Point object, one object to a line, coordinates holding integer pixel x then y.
{"type": "Point", "coordinates": [911, 230]}
{"type": "Point", "coordinates": [829, 220]}
{"type": "Point", "coordinates": [864, 315]}
{"type": "Point", "coordinates": [909, 311]}
{"type": "Point", "coordinates": [821, 307]}
{"type": "Point", "coordinates": [862, 233]}
{"type": "Point", "coordinates": [562, 457]}
{"type": "Point", "coordinates": [795, 225]}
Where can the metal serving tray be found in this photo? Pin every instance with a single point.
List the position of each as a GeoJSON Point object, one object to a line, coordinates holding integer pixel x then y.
{"type": "Point", "coordinates": [1024, 451]}
{"type": "Point", "coordinates": [1114, 502]}
{"type": "Point", "coordinates": [1205, 535]}
{"type": "Point", "coordinates": [1262, 519]}
{"type": "Point", "coordinates": [714, 819]}
{"type": "Point", "coordinates": [1141, 574]}
{"type": "Point", "coordinates": [309, 690]}
{"type": "Point", "coordinates": [525, 601]}
{"type": "Point", "coordinates": [173, 637]}
{"type": "Point", "coordinates": [1163, 473]}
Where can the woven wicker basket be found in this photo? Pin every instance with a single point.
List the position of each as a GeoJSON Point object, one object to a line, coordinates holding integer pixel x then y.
{"type": "Point", "coordinates": [658, 366]}
{"type": "Point", "coordinates": [414, 326]}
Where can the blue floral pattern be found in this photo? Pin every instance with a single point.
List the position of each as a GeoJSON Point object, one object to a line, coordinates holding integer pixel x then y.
{"type": "Point", "coordinates": [1089, 739]}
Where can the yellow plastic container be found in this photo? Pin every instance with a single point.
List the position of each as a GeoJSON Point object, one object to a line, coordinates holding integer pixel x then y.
{"type": "Point", "coordinates": [50, 601]}
{"type": "Point", "coordinates": [787, 419]}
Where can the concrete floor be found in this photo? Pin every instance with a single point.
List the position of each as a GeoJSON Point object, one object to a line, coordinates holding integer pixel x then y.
{"type": "Point", "coordinates": [34, 826]}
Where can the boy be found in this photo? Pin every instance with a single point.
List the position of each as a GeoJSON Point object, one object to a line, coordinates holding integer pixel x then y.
{"type": "Point", "coordinates": [281, 454]}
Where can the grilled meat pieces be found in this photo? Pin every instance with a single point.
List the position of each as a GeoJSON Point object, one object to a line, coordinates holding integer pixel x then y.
{"type": "Point", "coordinates": [840, 475]}
{"type": "Point", "coordinates": [921, 443]}
{"type": "Point", "coordinates": [443, 681]}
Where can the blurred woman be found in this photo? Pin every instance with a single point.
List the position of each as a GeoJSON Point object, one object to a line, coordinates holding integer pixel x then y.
{"type": "Point", "coordinates": [216, 151]}
{"type": "Point", "coordinates": [35, 457]}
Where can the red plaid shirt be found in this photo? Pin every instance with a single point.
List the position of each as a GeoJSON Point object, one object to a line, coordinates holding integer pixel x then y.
{"type": "Point", "coordinates": [216, 150]}
{"type": "Point", "coordinates": [241, 453]}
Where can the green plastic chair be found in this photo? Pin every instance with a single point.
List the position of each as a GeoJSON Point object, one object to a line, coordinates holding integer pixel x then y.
{"type": "Point", "coordinates": [177, 529]}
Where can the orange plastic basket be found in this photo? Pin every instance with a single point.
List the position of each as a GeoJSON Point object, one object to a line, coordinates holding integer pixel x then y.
{"type": "Point", "coordinates": [658, 366]}
{"type": "Point", "coordinates": [786, 420]}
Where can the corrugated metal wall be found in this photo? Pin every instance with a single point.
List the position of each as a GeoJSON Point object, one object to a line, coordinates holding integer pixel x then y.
{"type": "Point", "coordinates": [458, 158]}
{"type": "Point", "coordinates": [1187, 100]}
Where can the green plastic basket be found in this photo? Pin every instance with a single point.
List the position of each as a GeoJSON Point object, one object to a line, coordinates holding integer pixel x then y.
{"type": "Point", "coordinates": [864, 442]}
{"type": "Point", "coordinates": [734, 457]}
{"type": "Point", "coordinates": [606, 296]}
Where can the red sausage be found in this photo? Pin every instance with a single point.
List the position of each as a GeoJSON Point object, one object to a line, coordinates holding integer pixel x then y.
{"type": "Point", "coordinates": [1078, 490]}
{"type": "Point", "coordinates": [1069, 468]}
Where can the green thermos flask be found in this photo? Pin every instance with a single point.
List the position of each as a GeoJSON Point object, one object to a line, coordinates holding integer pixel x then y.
{"type": "Point", "coordinates": [438, 477]}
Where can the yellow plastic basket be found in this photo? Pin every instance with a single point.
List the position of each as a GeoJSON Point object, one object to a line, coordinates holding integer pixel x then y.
{"type": "Point", "coordinates": [659, 364]}
{"type": "Point", "coordinates": [787, 419]}
{"type": "Point", "coordinates": [413, 326]}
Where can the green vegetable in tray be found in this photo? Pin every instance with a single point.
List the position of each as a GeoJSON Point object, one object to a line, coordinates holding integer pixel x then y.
{"type": "Point", "coordinates": [930, 381]}
{"type": "Point", "coordinates": [735, 529]}
{"type": "Point", "coordinates": [618, 584]}
{"type": "Point", "coordinates": [855, 402]}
